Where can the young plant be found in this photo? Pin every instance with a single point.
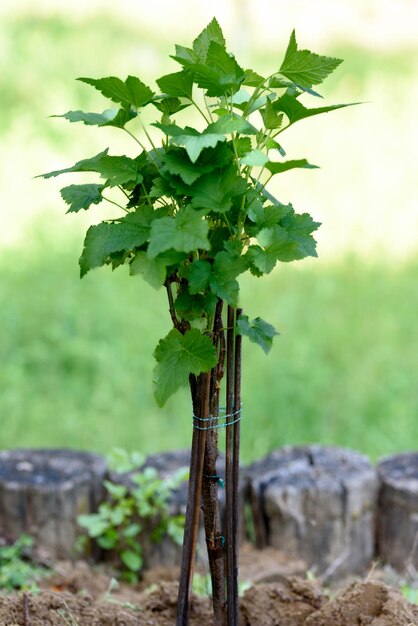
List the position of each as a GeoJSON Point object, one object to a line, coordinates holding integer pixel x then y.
{"type": "Point", "coordinates": [196, 214]}
{"type": "Point", "coordinates": [17, 571]}
{"type": "Point", "coordinates": [130, 513]}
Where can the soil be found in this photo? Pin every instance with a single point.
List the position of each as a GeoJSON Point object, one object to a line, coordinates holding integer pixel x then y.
{"type": "Point", "coordinates": [80, 595]}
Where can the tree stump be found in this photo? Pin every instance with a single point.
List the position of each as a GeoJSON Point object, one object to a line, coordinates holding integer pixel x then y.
{"type": "Point", "coordinates": [42, 492]}
{"type": "Point", "coordinates": [397, 535]}
{"type": "Point", "coordinates": [317, 504]}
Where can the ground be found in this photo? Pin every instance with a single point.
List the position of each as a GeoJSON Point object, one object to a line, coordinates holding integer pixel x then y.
{"type": "Point", "coordinates": [81, 595]}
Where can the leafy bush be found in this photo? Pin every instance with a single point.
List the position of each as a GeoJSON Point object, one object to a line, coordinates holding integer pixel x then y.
{"type": "Point", "coordinates": [16, 570]}
{"type": "Point", "coordinates": [131, 513]}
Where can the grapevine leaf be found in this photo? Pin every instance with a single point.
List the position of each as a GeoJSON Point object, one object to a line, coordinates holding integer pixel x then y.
{"type": "Point", "coordinates": [231, 123]}
{"type": "Point", "coordinates": [184, 232]}
{"type": "Point", "coordinates": [270, 118]}
{"type": "Point", "coordinates": [276, 168]}
{"type": "Point", "coordinates": [132, 91]}
{"type": "Point", "coordinates": [109, 117]}
{"type": "Point", "coordinates": [193, 141]}
{"type": "Point", "coordinates": [252, 79]}
{"type": "Point", "coordinates": [179, 84]}
{"type": "Point", "coordinates": [306, 68]}
{"type": "Point", "coordinates": [296, 111]}
{"type": "Point", "coordinates": [86, 165]}
{"type": "Point", "coordinates": [153, 270]}
{"type": "Point", "coordinates": [81, 196]}
{"type": "Point", "coordinates": [169, 105]}
{"type": "Point", "coordinates": [299, 227]}
{"type": "Point", "coordinates": [107, 238]}
{"type": "Point", "coordinates": [279, 83]}
{"type": "Point", "coordinates": [198, 276]}
{"type": "Point", "coordinates": [212, 32]}
{"type": "Point", "coordinates": [258, 331]}
{"type": "Point", "coordinates": [192, 306]}
{"type": "Point", "coordinates": [177, 357]}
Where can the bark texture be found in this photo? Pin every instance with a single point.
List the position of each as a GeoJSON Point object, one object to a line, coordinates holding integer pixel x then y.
{"type": "Point", "coordinates": [397, 536]}
{"type": "Point", "coordinates": [43, 491]}
{"type": "Point", "coordinates": [318, 504]}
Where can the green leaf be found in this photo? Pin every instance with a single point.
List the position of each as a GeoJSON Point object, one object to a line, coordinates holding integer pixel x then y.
{"type": "Point", "coordinates": [131, 92]}
{"type": "Point", "coordinates": [177, 162]}
{"type": "Point", "coordinates": [215, 193]}
{"type": "Point", "coordinates": [186, 231]}
{"type": "Point", "coordinates": [109, 117]}
{"type": "Point", "coordinates": [152, 270]}
{"type": "Point", "coordinates": [231, 123]}
{"type": "Point", "coordinates": [116, 491]}
{"type": "Point", "coordinates": [212, 32]}
{"type": "Point", "coordinates": [306, 68]}
{"type": "Point", "coordinates": [276, 168]}
{"type": "Point", "coordinates": [94, 524]}
{"type": "Point", "coordinates": [193, 141]}
{"type": "Point", "coordinates": [179, 84]}
{"type": "Point", "coordinates": [132, 560]}
{"type": "Point", "coordinates": [255, 158]}
{"type": "Point", "coordinates": [299, 227]}
{"type": "Point", "coordinates": [198, 275]}
{"type": "Point", "coordinates": [223, 279]}
{"type": "Point", "coordinates": [169, 106]}
{"type": "Point", "coordinates": [178, 356]}
{"type": "Point", "coordinates": [271, 119]}
{"type": "Point", "coordinates": [119, 170]}
{"type": "Point", "coordinates": [81, 196]}
{"type": "Point", "coordinates": [106, 238]}
{"type": "Point", "coordinates": [296, 111]}
{"type": "Point", "coordinates": [252, 79]}
{"type": "Point", "coordinates": [191, 306]}
{"type": "Point", "coordinates": [258, 331]}
{"type": "Point", "coordinates": [220, 75]}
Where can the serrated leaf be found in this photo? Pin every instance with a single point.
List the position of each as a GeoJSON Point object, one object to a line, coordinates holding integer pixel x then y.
{"type": "Point", "coordinates": [255, 158]}
{"type": "Point", "coordinates": [223, 279]}
{"type": "Point", "coordinates": [109, 117]}
{"type": "Point", "coordinates": [193, 141]}
{"type": "Point", "coordinates": [271, 119]}
{"type": "Point", "coordinates": [215, 193]}
{"type": "Point", "coordinates": [169, 106]}
{"type": "Point", "coordinates": [276, 168]}
{"type": "Point", "coordinates": [106, 238]}
{"type": "Point", "coordinates": [81, 196]}
{"type": "Point", "coordinates": [212, 32]}
{"type": "Point", "coordinates": [220, 74]}
{"type": "Point", "coordinates": [184, 232]}
{"type": "Point", "coordinates": [198, 276]}
{"type": "Point", "coordinates": [132, 560]}
{"type": "Point", "coordinates": [258, 331]}
{"type": "Point", "coordinates": [306, 68]}
{"type": "Point", "coordinates": [132, 91]}
{"type": "Point", "coordinates": [231, 123]}
{"type": "Point", "coordinates": [178, 84]}
{"type": "Point", "coordinates": [279, 83]}
{"type": "Point", "coordinates": [177, 357]}
{"type": "Point", "coordinates": [299, 227]}
{"type": "Point", "coordinates": [252, 79]}
{"type": "Point", "coordinates": [118, 170]}
{"type": "Point", "coordinates": [177, 162]}
{"type": "Point", "coordinates": [296, 111]}
{"type": "Point", "coordinates": [153, 271]}
{"type": "Point", "coordinates": [192, 306]}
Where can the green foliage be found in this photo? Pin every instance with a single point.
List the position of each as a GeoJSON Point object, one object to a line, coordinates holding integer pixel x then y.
{"type": "Point", "coordinates": [130, 513]}
{"type": "Point", "coordinates": [198, 211]}
{"type": "Point", "coordinates": [16, 569]}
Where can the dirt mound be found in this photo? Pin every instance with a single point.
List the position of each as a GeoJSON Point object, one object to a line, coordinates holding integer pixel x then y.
{"type": "Point", "coordinates": [366, 604]}
{"type": "Point", "coordinates": [291, 602]}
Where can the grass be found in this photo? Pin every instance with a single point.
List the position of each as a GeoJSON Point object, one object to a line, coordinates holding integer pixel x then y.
{"type": "Point", "coordinates": [77, 357]}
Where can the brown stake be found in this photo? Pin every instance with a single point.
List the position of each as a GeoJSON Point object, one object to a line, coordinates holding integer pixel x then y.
{"type": "Point", "coordinates": [211, 515]}
{"type": "Point", "coordinates": [235, 466]}
{"type": "Point", "coordinates": [229, 517]}
{"type": "Point", "coordinates": [26, 617]}
{"type": "Point", "coordinates": [193, 500]}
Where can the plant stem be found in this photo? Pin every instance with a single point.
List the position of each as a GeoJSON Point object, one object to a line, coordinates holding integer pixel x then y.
{"type": "Point", "coordinates": [211, 516]}
{"type": "Point", "coordinates": [200, 396]}
{"type": "Point", "coordinates": [229, 516]}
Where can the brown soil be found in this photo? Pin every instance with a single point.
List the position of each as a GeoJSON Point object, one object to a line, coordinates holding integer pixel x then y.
{"type": "Point", "coordinates": [80, 595]}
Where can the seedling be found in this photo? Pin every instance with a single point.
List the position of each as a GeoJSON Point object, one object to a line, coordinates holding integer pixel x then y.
{"type": "Point", "coordinates": [195, 215]}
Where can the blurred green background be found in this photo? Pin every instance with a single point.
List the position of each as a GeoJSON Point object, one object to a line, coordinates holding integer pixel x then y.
{"type": "Point", "coordinates": [76, 356]}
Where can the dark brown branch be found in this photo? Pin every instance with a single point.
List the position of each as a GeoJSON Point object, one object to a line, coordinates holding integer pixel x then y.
{"type": "Point", "coordinates": [193, 501]}
{"type": "Point", "coordinates": [26, 616]}
{"type": "Point", "coordinates": [235, 466]}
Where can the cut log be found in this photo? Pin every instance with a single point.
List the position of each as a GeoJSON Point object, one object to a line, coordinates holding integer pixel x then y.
{"type": "Point", "coordinates": [317, 504]}
{"type": "Point", "coordinates": [397, 535]}
{"type": "Point", "coordinates": [42, 492]}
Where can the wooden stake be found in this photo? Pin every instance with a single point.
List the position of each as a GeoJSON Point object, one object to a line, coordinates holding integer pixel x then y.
{"type": "Point", "coordinates": [235, 467]}
{"type": "Point", "coordinates": [229, 516]}
{"type": "Point", "coordinates": [193, 500]}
